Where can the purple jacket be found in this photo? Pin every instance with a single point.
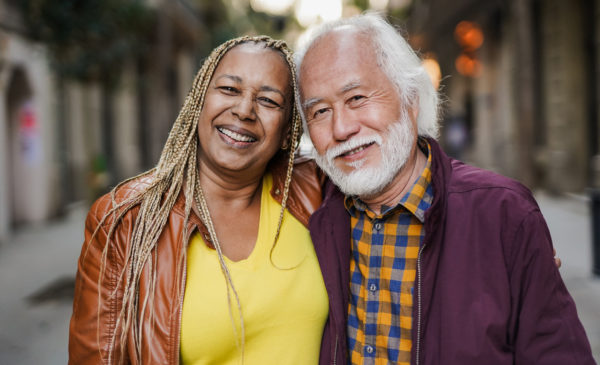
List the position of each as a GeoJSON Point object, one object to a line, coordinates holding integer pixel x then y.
{"type": "Point", "coordinates": [487, 290]}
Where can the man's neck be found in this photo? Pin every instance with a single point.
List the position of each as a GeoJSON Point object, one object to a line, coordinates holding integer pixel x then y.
{"type": "Point", "coordinates": [402, 183]}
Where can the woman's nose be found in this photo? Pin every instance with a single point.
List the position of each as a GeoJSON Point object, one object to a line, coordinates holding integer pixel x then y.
{"type": "Point", "coordinates": [244, 108]}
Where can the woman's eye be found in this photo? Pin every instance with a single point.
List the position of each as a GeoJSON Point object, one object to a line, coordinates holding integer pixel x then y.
{"type": "Point", "coordinates": [228, 89]}
{"type": "Point", "coordinates": [268, 102]}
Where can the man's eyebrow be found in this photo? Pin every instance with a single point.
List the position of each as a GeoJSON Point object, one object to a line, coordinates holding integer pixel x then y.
{"type": "Point", "coordinates": [350, 86]}
{"type": "Point", "coordinates": [311, 102]}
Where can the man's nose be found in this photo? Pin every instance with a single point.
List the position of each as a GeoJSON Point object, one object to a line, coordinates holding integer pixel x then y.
{"type": "Point", "coordinates": [344, 126]}
{"type": "Point", "coordinates": [244, 108]}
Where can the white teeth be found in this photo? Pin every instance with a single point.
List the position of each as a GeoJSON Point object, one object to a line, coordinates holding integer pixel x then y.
{"type": "Point", "coordinates": [357, 150]}
{"type": "Point", "coordinates": [236, 136]}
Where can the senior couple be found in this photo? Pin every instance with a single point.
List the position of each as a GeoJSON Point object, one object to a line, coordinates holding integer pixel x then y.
{"type": "Point", "coordinates": [231, 251]}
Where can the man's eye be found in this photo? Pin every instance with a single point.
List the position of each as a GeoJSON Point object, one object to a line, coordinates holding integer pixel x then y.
{"type": "Point", "coordinates": [356, 98]}
{"type": "Point", "coordinates": [319, 112]}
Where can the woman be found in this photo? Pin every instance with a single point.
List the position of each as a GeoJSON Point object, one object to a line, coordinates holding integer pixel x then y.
{"type": "Point", "coordinates": [206, 258]}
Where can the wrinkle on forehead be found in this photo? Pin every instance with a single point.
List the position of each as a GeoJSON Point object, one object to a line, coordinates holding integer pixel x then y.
{"type": "Point", "coordinates": [345, 40]}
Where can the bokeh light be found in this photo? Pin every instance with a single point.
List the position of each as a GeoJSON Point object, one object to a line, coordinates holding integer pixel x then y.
{"type": "Point", "coordinates": [309, 12]}
{"type": "Point", "coordinates": [378, 4]}
{"type": "Point", "coordinates": [468, 35]}
{"type": "Point", "coordinates": [468, 65]}
{"type": "Point", "coordinates": [432, 67]}
{"type": "Point", "coordinates": [275, 7]}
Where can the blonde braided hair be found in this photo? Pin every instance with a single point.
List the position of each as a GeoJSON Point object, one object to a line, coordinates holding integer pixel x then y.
{"type": "Point", "coordinates": [177, 168]}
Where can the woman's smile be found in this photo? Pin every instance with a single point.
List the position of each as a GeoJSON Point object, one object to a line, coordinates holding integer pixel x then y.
{"type": "Point", "coordinates": [241, 139]}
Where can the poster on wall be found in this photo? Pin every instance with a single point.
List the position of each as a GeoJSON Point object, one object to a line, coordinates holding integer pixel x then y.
{"type": "Point", "coordinates": [29, 134]}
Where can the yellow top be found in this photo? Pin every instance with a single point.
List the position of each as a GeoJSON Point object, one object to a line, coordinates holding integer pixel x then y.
{"type": "Point", "coordinates": [284, 310]}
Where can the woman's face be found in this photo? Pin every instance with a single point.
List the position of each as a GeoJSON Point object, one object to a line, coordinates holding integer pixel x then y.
{"type": "Point", "coordinates": [246, 109]}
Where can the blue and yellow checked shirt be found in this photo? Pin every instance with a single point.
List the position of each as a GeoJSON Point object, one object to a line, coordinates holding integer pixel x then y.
{"type": "Point", "coordinates": [382, 274]}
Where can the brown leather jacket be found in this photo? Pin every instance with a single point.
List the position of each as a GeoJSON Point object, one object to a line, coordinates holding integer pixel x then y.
{"type": "Point", "coordinates": [90, 333]}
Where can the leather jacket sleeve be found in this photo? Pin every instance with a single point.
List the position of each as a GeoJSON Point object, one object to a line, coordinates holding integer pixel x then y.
{"type": "Point", "coordinates": [95, 312]}
{"type": "Point", "coordinates": [99, 282]}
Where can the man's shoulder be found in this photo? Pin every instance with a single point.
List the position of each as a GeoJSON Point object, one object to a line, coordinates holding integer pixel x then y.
{"type": "Point", "coordinates": [488, 187]}
{"type": "Point", "coordinates": [458, 178]}
{"type": "Point", "coordinates": [467, 177]}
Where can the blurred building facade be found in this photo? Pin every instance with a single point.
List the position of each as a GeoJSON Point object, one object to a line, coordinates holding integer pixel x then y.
{"type": "Point", "coordinates": [520, 76]}
{"type": "Point", "coordinates": [27, 127]}
{"type": "Point", "coordinates": [522, 85]}
{"type": "Point", "coordinates": [62, 140]}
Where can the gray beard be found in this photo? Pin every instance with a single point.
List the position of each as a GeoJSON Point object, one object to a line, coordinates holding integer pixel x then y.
{"type": "Point", "coordinates": [369, 181]}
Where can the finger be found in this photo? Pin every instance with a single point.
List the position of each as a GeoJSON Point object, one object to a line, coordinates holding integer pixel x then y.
{"type": "Point", "coordinates": [557, 260]}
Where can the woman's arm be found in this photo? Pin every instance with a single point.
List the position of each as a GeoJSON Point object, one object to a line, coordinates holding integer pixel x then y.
{"type": "Point", "coordinates": [94, 317]}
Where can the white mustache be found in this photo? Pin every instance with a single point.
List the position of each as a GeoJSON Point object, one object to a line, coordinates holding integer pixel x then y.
{"type": "Point", "coordinates": [370, 180]}
{"type": "Point", "coordinates": [352, 144]}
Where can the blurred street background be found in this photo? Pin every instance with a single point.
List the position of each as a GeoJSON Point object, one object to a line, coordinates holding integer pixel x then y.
{"type": "Point", "coordinates": [89, 90]}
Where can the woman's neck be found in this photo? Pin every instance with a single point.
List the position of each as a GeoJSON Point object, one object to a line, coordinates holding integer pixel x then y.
{"type": "Point", "coordinates": [233, 199]}
{"type": "Point", "coordinates": [239, 190]}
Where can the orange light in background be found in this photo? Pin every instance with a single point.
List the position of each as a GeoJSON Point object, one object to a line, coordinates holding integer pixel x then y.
{"type": "Point", "coordinates": [468, 35]}
{"type": "Point", "coordinates": [468, 65]}
{"type": "Point", "coordinates": [432, 67]}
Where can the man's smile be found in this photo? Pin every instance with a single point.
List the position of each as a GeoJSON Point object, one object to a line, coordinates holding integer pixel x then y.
{"type": "Point", "coordinates": [356, 150]}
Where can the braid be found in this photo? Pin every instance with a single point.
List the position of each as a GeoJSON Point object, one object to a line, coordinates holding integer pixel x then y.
{"type": "Point", "coordinates": [176, 170]}
{"type": "Point", "coordinates": [203, 207]}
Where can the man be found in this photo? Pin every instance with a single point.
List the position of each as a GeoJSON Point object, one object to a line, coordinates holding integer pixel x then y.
{"type": "Point", "coordinates": [449, 264]}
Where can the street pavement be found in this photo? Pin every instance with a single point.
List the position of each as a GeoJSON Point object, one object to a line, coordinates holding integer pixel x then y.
{"type": "Point", "coordinates": [38, 264]}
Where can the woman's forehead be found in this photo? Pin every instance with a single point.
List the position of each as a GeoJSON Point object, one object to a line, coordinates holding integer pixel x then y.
{"type": "Point", "coordinates": [257, 49]}
{"type": "Point", "coordinates": [253, 60]}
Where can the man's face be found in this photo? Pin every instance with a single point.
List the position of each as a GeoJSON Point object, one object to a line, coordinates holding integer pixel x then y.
{"type": "Point", "coordinates": [362, 134]}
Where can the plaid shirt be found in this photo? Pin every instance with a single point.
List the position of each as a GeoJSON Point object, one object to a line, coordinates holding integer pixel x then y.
{"type": "Point", "coordinates": [382, 274]}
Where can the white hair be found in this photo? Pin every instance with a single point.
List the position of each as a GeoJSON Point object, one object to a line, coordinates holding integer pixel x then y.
{"type": "Point", "coordinates": [398, 61]}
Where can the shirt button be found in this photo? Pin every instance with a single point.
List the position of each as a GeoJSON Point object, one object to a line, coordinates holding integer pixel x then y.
{"type": "Point", "coordinates": [378, 226]}
{"type": "Point", "coordinates": [369, 349]}
{"type": "Point", "coordinates": [372, 287]}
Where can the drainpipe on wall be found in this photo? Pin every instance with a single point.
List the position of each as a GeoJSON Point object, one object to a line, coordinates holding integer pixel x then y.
{"type": "Point", "coordinates": [595, 210]}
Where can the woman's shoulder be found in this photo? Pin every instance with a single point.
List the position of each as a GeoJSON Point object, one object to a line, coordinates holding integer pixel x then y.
{"type": "Point", "coordinates": [306, 168]}
{"type": "Point", "coordinates": [123, 192]}
{"type": "Point", "coordinates": [305, 194]}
